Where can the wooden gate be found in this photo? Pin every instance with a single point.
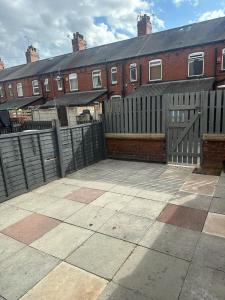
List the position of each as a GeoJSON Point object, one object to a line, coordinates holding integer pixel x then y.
{"type": "Point", "coordinates": [184, 128]}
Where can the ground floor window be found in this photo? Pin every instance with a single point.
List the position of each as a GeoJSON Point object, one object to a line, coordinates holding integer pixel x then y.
{"type": "Point", "coordinates": [155, 70]}
{"type": "Point", "coordinates": [196, 64]}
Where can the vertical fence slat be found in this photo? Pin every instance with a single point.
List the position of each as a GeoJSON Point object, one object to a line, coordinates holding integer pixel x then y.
{"type": "Point", "coordinates": [130, 115]}
{"type": "Point", "coordinates": [144, 114]}
{"type": "Point", "coordinates": [134, 115]}
{"type": "Point", "coordinates": [126, 114]}
{"type": "Point", "coordinates": [139, 114]}
{"type": "Point", "coordinates": [218, 112]}
{"type": "Point", "coordinates": [223, 113]}
{"type": "Point", "coordinates": [211, 111]}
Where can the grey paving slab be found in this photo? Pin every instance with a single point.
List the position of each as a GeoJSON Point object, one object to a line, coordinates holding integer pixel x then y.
{"type": "Point", "coordinates": [101, 255]}
{"type": "Point", "coordinates": [112, 201]}
{"type": "Point", "coordinates": [22, 271]}
{"type": "Point", "coordinates": [115, 292]}
{"type": "Point", "coordinates": [155, 195]}
{"type": "Point", "coordinates": [203, 283]}
{"type": "Point", "coordinates": [170, 239]}
{"type": "Point", "coordinates": [220, 191]}
{"type": "Point", "coordinates": [11, 215]}
{"type": "Point", "coordinates": [8, 246]}
{"type": "Point", "coordinates": [191, 200]}
{"type": "Point", "coordinates": [126, 227]}
{"type": "Point", "coordinates": [62, 240]}
{"type": "Point", "coordinates": [144, 208]}
{"type": "Point", "coordinates": [156, 275]}
{"type": "Point", "coordinates": [24, 197]}
{"type": "Point", "coordinates": [218, 205]}
{"type": "Point", "coordinates": [61, 190]}
{"type": "Point", "coordinates": [61, 209]}
{"type": "Point", "coordinates": [210, 252]}
{"type": "Point", "coordinates": [125, 189]}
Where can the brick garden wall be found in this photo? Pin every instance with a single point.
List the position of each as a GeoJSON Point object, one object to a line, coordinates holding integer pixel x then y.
{"type": "Point", "coordinates": [213, 150]}
{"type": "Point", "coordinates": [144, 147]}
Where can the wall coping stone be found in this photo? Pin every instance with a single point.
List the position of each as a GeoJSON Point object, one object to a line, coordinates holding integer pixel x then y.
{"type": "Point", "coordinates": [214, 137]}
{"type": "Point", "coordinates": [136, 136]}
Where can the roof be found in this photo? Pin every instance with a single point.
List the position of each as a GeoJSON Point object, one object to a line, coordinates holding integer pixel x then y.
{"type": "Point", "coordinates": [174, 87]}
{"type": "Point", "coordinates": [19, 103]}
{"type": "Point", "coordinates": [75, 99]}
{"type": "Point", "coordinates": [185, 36]}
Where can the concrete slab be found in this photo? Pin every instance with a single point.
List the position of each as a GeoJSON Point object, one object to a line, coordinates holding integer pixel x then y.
{"type": "Point", "coordinates": [218, 205]}
{"type": "Point", "coordinates": [154, 195]}
{"type": "Point", "coordinates": [8, 246]}
{"type": "Point", "coordinates": [200, 184]}
{"type": "Point", "coordinates": [125, 190]}
{"type": "Point", "coordinates": [85, 195]}
{"type": "Point", "coordinates": [22, 271]}
{"type": "Point", "coordinates": [215, 225]}
{"type": "Point", "coordinates": [203, 283]}
{"type": "Point", "coordinates": [220, 191]}
{"type": "Point", "coordinates": [99, 185]}
{"type": "Point", "coordinates": [91, 217]}
{"type": "Point", "coordinates": [178, 172]}
{"type": "Point", "coordinates": [101, 255]}
{"type": "Point", "coordinates": [126, 227]}
{"type": "Point", "coordinates": [192, 200]}
{"type": "Point", "coordinates": [112, 201]}
{"type": "Point", "coordinates": [171, 240]}
{"type": "Point", "coordinates": [11, 215]}
{"type": "Point", "coordinates": [210, 252]}
{"type": "Point", "coordinates": [59, 191]}
{"type": "Point", "coordinates": [61, 209]}
{"type": "Point", "coordinates": [144, 208]}
{"type": "Point", "coordinates": [67, 282]}
{"type": "Point", "coordinates": [62, 240]}
{"type": "Point", "coordinates": [156, 275]}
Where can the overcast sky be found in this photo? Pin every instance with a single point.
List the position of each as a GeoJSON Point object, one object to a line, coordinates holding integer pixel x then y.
{"type": "Point", "coordinates": [49, 24]}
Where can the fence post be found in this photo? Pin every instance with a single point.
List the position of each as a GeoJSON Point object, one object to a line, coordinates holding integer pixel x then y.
{"type": "Point", "coordinates": [4, 175]}
{"type": "Point", "coordinates": [59, 147]}
{"type": "Point", "coordinates": [104, 150]}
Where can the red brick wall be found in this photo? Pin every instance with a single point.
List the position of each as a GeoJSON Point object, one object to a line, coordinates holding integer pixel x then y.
{"type": "Point", "coordinates": [213, 151]}
{"type": "Point", "coordinates": [145, 147]}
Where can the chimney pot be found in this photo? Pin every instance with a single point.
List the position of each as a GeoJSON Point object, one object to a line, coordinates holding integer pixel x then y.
{"type": "Point", "coordinates": [31, 54]}
{"type": "Point", "coordinates": [2, 65]}
{"type": "Point", "coordinates": [78, 42]}
{"type": "Point", "coordinates": [144, 25]}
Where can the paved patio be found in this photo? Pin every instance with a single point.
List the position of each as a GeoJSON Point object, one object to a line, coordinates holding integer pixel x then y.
{"type": "Point", "coordinates": [116, 230]}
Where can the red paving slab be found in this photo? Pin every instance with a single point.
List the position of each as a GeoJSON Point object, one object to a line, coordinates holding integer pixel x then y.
{"type": "Point", "coordinates": [85, 195]}
{"type": "Point", "coordinates": [186, 217]}
{"type": "Point", "coordinates": [31, 228]}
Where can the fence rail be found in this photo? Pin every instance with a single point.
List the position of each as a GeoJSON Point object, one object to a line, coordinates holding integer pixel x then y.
{"type": "Point", "coordinates": [26, 125]}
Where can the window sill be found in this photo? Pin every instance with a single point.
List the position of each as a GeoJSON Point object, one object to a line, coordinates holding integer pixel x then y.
{"type": "Point", "coordinates": [196, 76]}
{"type": "Point", "coordinates": [114, 83]}
{"type": "Point", "coordinates": [97, 88]}
{"type": "Point", "coordinates": [155, 80]}
{"type": "Point", "coordinates": [133, 81]}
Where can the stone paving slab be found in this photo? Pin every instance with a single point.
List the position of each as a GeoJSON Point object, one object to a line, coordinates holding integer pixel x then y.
{"type": "Point", "coordinates": [62, 240]}
{"type": "Point", "coordinates": [144, 208]}
{"type": "Point", "coordinates": [91, 217]}
{"type": "Point", "coordinates": [67, 282]}
{"type": "Point", "coordinates": [210, 252]}
{"type": "Point", "coordinates": [218, 205]}
{"type": "Point", "coordinates": [8, 246]}
{"type": "Point", "coordinates": [112, 201]}
{"type": "Point", "coordinates": [11, 215]}
{"type": "Point", "coordinates": [60, 191]}
{"type": "Point", "coordinates": [175, 172]}
{"type": "Point", "coordinates": [154, 195]}
{"type": "Point", "coordinates": [156, 275]}
{"type": "Point", "coordinates": [200, 184]}
{"type": "Point", "coordinates": [85, 195]}
{"type": "Point", "coordinates": [126, 227]}
{"type": "Point", "coordinates": [203, 283]}
{"type": "Point", "coordinates": [22, 271]}
{"type": "Point", "coordinates": [173, 240]}
{"type": "Point", "coordinates": [101, 255]}
{"type": "Point", "coordinates": [220, 191]}
{"type": "Point", "coordinates": [215, 225]}
{"type": "Point", "coordinates": [125, 190]}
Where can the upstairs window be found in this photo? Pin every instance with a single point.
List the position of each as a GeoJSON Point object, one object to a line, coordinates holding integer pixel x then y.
{"type": "Point", "coordinates": [59, 83]}
{"type": "Point", "coordinates": [114, 75]}
{"type": "Point", "coordinates": [19, 88]}
{"type": "Point", "coordinates": [223, 59]}
{"type": "Point", "coordinates": [1, 91]}
{"type": "Point", "coordinates": [133, 72]}
{"type": "Point", "coordinates": [96, 79]}
{"type": "Point", "coordinates": [196, 64]}
{"type": "Point", "coordinates": [46, 84]}
{"type": "Point", "coordinates": [10, 89]}
{"type": "Point", "coordinates": [155, 70]}
{"type": "Point", "coordinates": [35, 86]}
{"type": "Point", "coordinates": [73, 82]}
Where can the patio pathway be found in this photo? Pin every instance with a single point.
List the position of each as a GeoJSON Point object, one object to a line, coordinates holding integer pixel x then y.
{"type": "Point", "coordinates": [116, 230]}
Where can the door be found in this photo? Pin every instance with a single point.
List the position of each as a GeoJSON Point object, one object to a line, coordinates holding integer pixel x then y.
{"type": "Point", "coordinates": [62, 115]}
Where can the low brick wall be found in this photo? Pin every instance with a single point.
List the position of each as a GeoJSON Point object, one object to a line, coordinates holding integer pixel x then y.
{"type": "Point", "coordinates": [213, 150]}
{"type": "Point", "coordinates": [144, 147]}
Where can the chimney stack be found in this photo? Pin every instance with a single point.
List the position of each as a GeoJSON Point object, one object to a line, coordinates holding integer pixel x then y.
{"type": "Point", "coordinates": [31, 54]}
{"type": "Point", "coordinates": [144, 25]}
{"type": "Point", "coordinates": [78, 42]}
{"type": "Point", "coordinates": [2, 65]}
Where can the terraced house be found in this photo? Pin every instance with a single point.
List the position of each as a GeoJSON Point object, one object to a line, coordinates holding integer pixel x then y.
{"type": "Point", "coordinates": [184, 59]}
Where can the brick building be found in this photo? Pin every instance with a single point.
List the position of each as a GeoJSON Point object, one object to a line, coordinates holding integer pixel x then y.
{"type": "Point", "coordinates": [187, 58]}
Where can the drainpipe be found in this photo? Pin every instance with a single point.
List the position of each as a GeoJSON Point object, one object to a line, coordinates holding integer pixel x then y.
{"type": "Point", "coordinates": [215, 67]}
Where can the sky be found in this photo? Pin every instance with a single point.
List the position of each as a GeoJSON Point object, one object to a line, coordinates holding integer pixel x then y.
{"type": "Point", "coordinates": [49, 24]}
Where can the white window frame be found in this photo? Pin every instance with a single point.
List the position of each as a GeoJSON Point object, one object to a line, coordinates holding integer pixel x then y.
{"type": "Point", "coordinates": [10, 89]}
{"type": "Point", "coordinates": [59, 82]}
{"type": "Point", "coordinates": [191, 56]}
{"type": "Point", "coordinates": [115, 97]}
{"type": "Point", "coordinates": [1, 91]}
{"type": "Point", "coordinates": [157, 62]}
{"type": "Point", "coordinates": [223, 60]}
{"type": "Point", "coordinates": [46, 84]}
{"type": "Point", "coordinates": [94, 74]}
{"type": "Point", "coordinates": [19, 89]}
{"type": "Point", "coordinates": [73, 76]}
{"type": "Point", "coordinates": [35, 87]}
{"type": "Point", "coordinates": [133, 66]}
{"type": "Point", "coordinates": [113, 71]}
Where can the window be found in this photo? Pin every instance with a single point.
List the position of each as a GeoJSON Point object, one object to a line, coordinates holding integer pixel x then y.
{"type": "Point", "coordinates": [196, 64]}
{"type": "Point", "coordinates": [19, 88]}
{"type": "Point", "coordinates": [73, 82]}
{"type": "Point", "coordinates": [96, 79]}
{"type": "Point", "coordinates": [114, 75]}
{"type": "Point", "coordinates": [59, 83]}
{"type": "Point", "coordinates": [46, 84]}
{"type": "Point", "coordinates": [223, 59]}
{"type": "Point", "coordinates": [116, 97]}
{"type": "Point", "coordinates": [1, 91]}
{"type": "Point", "coordinates": [133, 72]}
{"type": "Point", "coordinates": [35, 86]}
{"type": "Point", "coordinates": [10, 89]}
{"type": "Point", "coordinates": [155, 70]}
